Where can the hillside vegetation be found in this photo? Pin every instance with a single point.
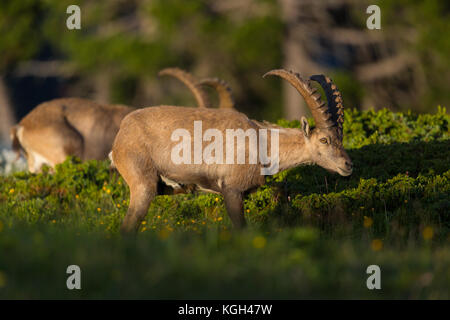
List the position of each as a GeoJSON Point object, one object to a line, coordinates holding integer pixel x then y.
{"type": "Point", "coordinates": [311, 234]}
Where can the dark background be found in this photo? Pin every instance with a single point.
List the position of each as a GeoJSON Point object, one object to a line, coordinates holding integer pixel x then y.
{"type": "Point", "coordinates": [122, 45]}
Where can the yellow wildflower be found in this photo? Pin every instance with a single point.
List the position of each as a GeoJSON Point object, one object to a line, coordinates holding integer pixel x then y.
{"type": "Point", "coordinates": [259, 242]}
{"type": "Point", "coordinates": [377, 245]}
{"type": "Point", "coordinates": [427, 233]}
{"type": "Point", "coordinates": [368, 222]}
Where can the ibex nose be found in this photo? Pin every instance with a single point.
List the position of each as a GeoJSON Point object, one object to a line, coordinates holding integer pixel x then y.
{"type": "Point", "coordinates": [349, 164]}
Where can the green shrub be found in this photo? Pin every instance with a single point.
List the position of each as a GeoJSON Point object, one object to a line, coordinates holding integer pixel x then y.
{"type": "Point", "coordinates": [398, 196]}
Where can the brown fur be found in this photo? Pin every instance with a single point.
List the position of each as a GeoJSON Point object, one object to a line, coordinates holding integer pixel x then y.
{"type": "Point", "coordinates": [15, 143]}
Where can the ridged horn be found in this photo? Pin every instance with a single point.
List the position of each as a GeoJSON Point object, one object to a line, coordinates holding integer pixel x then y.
{"type": "Point", "coordinates": [335, 101]}
{"type": "Point", "coordinates": [226, 100]}
{"type": "Point", "coordinates": [190, 82]}
{"type": "Point", "coordinates": [318, 108]}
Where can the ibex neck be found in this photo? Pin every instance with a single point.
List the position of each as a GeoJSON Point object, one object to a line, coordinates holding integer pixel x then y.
{"type": "Point", "coordinates": [292, 149]}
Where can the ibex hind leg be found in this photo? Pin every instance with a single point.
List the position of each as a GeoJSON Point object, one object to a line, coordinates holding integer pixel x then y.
{"type": "Point", "coordinates": [140, 197]}
{"type": "Point", "coordinates": [235, 209]}
{"type": "Point", "coordinates": [143, 184]}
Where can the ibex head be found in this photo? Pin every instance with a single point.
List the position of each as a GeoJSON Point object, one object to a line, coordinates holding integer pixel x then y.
{"type": "Point", "coordinates": [324, 142]}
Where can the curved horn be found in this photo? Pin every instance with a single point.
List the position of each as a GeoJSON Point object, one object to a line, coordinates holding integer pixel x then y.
{"type": "Point", "coordinates": [318, 108]}
{"type": "Point", "coordinates": [226, 100]}
{"type": "Point", "coordinates": [335, 102]}
{"type": "Point", "coordinates": [190, 82]}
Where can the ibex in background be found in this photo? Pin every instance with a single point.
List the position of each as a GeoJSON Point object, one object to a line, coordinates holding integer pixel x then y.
{"type": "Point", "coordinates": [77, 127]}
{"type": "Point", "coordinates": [143, 148]}
{"type": "Point", "coordinates": [67, 127]}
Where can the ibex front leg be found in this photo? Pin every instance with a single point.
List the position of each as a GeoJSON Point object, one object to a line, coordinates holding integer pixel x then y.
{"type": "Point", "coordinates": [235, 208]}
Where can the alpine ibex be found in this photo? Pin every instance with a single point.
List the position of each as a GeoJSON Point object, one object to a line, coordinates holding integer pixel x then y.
{"type": "Point", "coordinates": [143, 148]}
{"type": "Point", "coordinates": [63, 127]}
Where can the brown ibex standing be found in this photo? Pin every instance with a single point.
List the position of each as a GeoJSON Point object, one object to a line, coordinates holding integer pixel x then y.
{"type": "Point", "coordinates": [77, 127]}
{"type": "Point", "coordinates": [143, 149]}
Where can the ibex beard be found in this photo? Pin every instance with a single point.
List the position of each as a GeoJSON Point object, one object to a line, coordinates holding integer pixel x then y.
{"type": "Point", "coordinates": [192, 151]}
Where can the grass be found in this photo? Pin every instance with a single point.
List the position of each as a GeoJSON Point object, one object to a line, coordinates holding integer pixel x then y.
{"type": "Point", "coordinates": [312, 234]}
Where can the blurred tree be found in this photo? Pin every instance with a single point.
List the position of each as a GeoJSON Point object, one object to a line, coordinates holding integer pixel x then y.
{"type": "Point", "coordinates": [127, 42]}
{"type": "Point", "coordinates": [122, 45]}
{"type": "Point", "coordinates": [20, 40]}
{"type": "Point", "coordinates": [405, 65]}
{"type": "Point", "coordinates": [420, 31]}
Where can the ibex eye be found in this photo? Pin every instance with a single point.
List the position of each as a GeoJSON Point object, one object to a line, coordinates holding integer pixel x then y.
{"type": "Point", "coordinates": [324, 140]}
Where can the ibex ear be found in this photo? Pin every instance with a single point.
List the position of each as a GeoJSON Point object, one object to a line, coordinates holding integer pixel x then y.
{"type": "Point", "coordinates": [305, 126]}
